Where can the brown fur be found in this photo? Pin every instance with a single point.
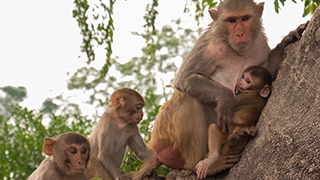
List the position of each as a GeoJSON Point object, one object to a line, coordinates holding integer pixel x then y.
{"type": "Point", "coordinates": [180, 125]}
{"type": "Point", "coordinates": [255, 87]}
{"type": "Point", "coordinates": [116, 130]}
{"type": "Point", "coordinates": [62, 160]}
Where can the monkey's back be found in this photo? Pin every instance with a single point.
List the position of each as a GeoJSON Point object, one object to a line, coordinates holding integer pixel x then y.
{"type": "Point", "coordinates": [248, 109]}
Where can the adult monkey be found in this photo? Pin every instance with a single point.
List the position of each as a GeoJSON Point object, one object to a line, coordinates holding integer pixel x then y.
{"type": "Point", "coordinates": [205, 83]}
{"type": "Point", "coordinates": [234, 41]}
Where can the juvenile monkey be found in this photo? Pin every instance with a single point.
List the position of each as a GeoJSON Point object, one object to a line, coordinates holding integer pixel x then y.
{"type": "Point", "coordinates": [116, 130]}
{"type": "Point", "coordinates": [68, 158]}
{"type": "Point", "coordinates": [205, 85]}
{"type": "Point", "coordinates": [252, 91]}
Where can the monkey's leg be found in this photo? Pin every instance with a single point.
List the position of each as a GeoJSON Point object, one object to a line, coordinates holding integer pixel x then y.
{"type": "Point", "coordinates": [169, 157]}
{"type": "Point", "coordinates": [193, 133]}
{"type": "Point", "coordinates": [215, 141]}
{"type": "Point", "coordinates": [230, 154]}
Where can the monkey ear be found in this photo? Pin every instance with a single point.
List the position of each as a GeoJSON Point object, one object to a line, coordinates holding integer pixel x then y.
{"type": "Point", "coordinates": [48, 146]}
{"type": "Point", "coordinates": [117, 99]}
{"type": "Point", "coordinates": [265, 91]}
{"type": "Point", "coordinates": [260, 7]}
{"type": "Point", "coordinates": [214, 14]}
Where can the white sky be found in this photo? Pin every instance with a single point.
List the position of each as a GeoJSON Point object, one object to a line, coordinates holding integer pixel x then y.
{"type": "Point", "coordinates": [40, 41]}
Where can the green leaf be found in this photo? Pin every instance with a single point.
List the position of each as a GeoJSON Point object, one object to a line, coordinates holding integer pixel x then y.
{"type": "Point", "coordinates": [276, 6]}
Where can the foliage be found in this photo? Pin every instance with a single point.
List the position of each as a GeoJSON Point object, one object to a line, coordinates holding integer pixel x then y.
{"type": "Point", "coordinates": [21, 143]}
{"type": "Point", "coordinates": [48, 106]}
{"type": "Point", "coordinates": [150, 18]}
{"type": "Point", "coordinates": [92, 32]}
{"type": "Point", "coordinates": [200, 5]}
{"type": "Point", "coordinates": [130, 162]}
{"type": "Point", "coordinates": [309, 6]}
{"type": "Point", "coordinates": [12, 96]}
{"type": "Point", "coordinates": [15, 94]}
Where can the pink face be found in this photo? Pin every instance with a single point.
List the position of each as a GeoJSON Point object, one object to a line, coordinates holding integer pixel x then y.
{"type": "Point", "coordinates": [239, 25]}
{"type": "Point", "coordinates": [244, 83]}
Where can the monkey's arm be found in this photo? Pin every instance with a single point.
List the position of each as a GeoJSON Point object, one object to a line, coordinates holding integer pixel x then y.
{"type": "Point", "coordinates": [137, 145]}
{"type": "Point", "coordinates": [210, 92]}
{"type": "Point", "coordinates": [276, 55]}
{"type": "Point", "coordinates": [110, 156]}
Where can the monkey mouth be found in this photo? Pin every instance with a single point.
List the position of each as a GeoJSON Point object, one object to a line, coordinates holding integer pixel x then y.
{"type": "Point", "coordinates": [137, 120]}
{"type": "Point", "coordinates": [239, 48]}
{"type": "Point", "coordinates": [242, 45]}
{"type": "Point", "coordinates": [78, 171]}
{"type": "Point", "coordinates": [238, 90]}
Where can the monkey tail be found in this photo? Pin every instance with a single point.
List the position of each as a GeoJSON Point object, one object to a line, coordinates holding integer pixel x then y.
{"type": "Point", "coordinates": [148, 169]}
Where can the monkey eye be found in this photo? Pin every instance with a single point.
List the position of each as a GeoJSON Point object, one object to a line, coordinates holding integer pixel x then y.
{"type": "Point", "coordinates": [248, 81]}
{"type": "Point", "coordinates": [83, 150]}
{"type": "Point", "coordinates": [139, 106]}
{"type": "Point", "coordinates": [245, 18]}
{"type": "Point", "coordinates": [232, 20]}
{"type": "Point", "coordinates": [73, 151]}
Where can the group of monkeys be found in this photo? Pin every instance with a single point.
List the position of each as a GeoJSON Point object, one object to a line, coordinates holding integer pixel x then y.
{"type": "Point", "coordinates": [219, 93]}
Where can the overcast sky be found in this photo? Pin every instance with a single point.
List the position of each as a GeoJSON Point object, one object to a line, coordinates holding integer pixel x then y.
{"type": "Point", "coordinates": [40, 41]}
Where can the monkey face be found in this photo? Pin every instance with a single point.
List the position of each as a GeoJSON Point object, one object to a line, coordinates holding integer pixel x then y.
{"type": "Point", "coordinates": [77, 155]}
{"type": "Point", "coordinates": [245, 83]}
{"type": "Point", "coordinates": [137, 113]}
{"type": "Point", "coordinates": [239, 27]}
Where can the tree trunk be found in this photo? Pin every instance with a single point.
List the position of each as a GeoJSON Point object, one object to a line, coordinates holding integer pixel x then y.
{"type": "Point", "coordinates": [288, 142]}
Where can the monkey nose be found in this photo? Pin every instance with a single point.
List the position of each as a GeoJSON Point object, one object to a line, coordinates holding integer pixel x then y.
{"type": "Point", "coordinates": [240, 34]}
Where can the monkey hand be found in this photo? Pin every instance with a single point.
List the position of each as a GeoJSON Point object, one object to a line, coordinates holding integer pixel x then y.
{"type": "Point", "coordinates": [295, 34]}
{"type": "Point", "coordinates": [233, 139]}
{"type": "Point", "coordinates": [251, 131]}
{"type": "Point", "coordinates": [225, 112]}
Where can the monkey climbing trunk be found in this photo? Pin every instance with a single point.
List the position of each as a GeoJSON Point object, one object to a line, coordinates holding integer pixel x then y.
{"type": "Point", "coordinates": [288, 142]}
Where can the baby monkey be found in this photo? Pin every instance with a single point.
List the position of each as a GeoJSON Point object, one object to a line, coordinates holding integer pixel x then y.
{"type": "Point", "coordinates": [252, 92]}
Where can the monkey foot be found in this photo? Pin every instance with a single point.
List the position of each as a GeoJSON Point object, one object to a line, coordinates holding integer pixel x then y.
{"type": "Point", "coordinates": [203, 166]}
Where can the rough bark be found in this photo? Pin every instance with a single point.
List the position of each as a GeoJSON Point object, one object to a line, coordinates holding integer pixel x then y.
{"type": "Point", "coordinates": [288, 142]}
